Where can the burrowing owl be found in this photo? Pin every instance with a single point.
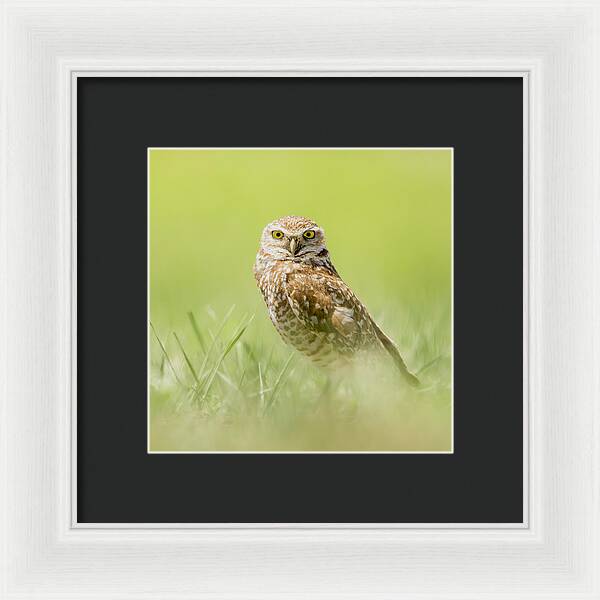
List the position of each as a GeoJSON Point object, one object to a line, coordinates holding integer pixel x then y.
{"type": "Point", "coordinates": [309, 304]}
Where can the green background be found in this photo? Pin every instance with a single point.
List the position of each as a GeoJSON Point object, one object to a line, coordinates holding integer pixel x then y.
{"type": "Point", "coordinates": [387, 215]}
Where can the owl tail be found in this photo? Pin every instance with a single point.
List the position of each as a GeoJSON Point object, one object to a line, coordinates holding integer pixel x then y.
{"type": "Point", "coordinates": [397, 357]}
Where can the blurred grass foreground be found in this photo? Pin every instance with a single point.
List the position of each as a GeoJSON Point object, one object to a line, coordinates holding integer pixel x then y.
{"type": "Point", "coordinates": [220, 377]}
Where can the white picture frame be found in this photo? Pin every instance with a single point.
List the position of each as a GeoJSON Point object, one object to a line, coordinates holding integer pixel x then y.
{"type": "Point", "coordinates": [554, 46]}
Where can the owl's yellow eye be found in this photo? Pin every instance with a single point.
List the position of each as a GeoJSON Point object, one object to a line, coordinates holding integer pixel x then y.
{"type": "Point", "coordinates": [277, 234]}
{"type": "Point", "coordinates": [309, 235]}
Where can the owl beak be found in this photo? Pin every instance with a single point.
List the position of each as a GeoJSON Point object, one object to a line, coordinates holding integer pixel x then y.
{"type": "Point", "coordinates": [293, 246]}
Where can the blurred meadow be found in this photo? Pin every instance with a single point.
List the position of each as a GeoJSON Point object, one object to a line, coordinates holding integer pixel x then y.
{"type": "Point", "coordinates": [220, 377]}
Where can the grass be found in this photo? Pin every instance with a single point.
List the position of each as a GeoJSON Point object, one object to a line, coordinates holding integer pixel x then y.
{"type": "Point", "coordinates": [220, 384]}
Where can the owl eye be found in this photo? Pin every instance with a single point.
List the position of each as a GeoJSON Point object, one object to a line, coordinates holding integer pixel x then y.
{"type": "Point", "coordinates": [309, 235]}
{"type": "Point", "coordinates": [277, 234]}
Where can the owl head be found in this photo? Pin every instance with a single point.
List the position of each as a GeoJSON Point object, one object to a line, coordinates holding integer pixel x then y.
{"type": "Point", "coordinates": [297, 239]}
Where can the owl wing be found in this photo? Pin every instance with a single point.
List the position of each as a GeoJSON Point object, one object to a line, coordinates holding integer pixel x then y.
{"type": "Point", "coordinates": [326, 305]}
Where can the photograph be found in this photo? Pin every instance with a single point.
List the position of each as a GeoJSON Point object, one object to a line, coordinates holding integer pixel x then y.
{"type": "Point", "coordinates": [300, 300]}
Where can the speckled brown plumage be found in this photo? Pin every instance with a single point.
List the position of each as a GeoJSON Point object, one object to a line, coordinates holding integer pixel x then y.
{"type": "Point", "coordinates": [310, 305]}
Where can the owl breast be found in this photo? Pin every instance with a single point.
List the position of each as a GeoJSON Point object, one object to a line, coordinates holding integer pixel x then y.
{"type": "Point", "coordinates": [299, 299]}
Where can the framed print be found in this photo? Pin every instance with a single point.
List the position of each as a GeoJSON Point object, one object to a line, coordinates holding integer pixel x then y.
{"type": "Point", "coordinates": [299, 300]}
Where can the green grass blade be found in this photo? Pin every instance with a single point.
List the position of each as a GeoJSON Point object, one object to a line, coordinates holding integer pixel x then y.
{"type": "Point", "coordinates": [211, 377]}
{"type": "Point", "coordinates": [429, 364]}
{"type": "Point", "coordinates": [248, 350]}
{"type": "Point", "coordinates": [228, 381]}
{"type": "Point", "coordinates": [164, 351]}
{"type": "Point", "coordinates": [262, 386]}
{"type": "Point", "coordinates": [197, 331]}
{"type": "Point", "coordinates": [278, 381]}
{"type": "Point", "coordinates": [187, 360]}
{"type": "Point", "coordinates": [241, 381]}
{"type": "Point", "coordinates": [236, 337]}
{"type": "Point", "coordinates": [221, 326]}
{"type": "Point", "coordinates": [268, 362]}
{"type": "Point", "coordinates": [214, 342]}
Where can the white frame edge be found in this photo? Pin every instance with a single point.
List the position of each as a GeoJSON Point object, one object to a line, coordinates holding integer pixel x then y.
{"type": "Point", "coordinates": [44, 556]}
